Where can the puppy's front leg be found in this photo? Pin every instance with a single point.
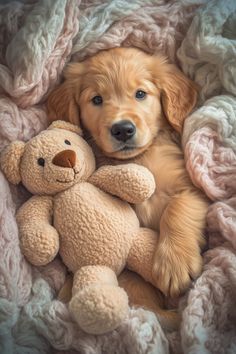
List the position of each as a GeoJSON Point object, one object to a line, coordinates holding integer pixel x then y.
{"type": "Point", "coordinates": [177, 259]}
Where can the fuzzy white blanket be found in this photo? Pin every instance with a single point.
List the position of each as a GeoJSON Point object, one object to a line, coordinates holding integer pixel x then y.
{"type": "Point", "coordinates": [37, 39]}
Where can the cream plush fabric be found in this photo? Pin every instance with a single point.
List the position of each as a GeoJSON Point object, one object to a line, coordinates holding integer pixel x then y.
{"type": "Point", "coordinates": [73, 212]}
{"type": "Point", "coordinates": [33, 52]}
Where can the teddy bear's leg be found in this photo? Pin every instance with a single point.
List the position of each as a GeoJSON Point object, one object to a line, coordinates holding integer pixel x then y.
{"type": "Point", "coordinates": [98, 304]}
{"type": "Point", "coordinates": [140, 258]}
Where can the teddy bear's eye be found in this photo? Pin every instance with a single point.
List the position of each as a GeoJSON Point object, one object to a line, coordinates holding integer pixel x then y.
{"type": "Point", "coordinates": [41, 161]}
{"type": "Point", "coordinates": [67, 142]}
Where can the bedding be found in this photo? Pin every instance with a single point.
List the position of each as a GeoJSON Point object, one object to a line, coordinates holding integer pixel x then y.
{"type": "Point", "coordinates": [37, 40]}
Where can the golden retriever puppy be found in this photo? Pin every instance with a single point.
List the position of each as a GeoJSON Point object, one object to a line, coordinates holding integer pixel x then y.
{"type": "Point", "coordinates": [132, 104]}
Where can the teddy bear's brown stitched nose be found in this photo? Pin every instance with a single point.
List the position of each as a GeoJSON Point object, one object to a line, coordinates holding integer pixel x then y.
{"type": "Point", "coordinates": [65, 158]}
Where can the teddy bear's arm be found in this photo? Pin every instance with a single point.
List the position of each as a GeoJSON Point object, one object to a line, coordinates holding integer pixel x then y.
{"type": "Point", "coordinates": [39, 240]}
{"type": "Point", "coordinates": [130, 182]}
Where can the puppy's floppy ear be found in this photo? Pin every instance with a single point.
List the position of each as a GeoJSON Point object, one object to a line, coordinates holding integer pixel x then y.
{"type": "Point", "coordinates": [62, 102]}
{"type": "Point", "coordinates": [178, 93]}
{"type": "Point", "coordinates": [10, 159]}
{"type": "Point", "coordinates": [60, 124]}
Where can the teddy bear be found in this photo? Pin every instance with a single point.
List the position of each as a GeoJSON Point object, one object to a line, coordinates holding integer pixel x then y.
{"type": "Point", "coordinates": [86, 216]}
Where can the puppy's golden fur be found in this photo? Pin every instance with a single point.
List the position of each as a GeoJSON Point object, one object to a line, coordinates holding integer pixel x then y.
{"type": "Point", "coordinates": [177, 209]}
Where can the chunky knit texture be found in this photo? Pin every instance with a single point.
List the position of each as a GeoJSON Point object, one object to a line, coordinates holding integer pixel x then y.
{"type": "Point", "coordinates": [37, 39]}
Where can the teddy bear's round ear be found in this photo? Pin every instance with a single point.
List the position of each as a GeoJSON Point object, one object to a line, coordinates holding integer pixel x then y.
{"type": "Point", "coordinates": [10, 159]}
{"type": "Point", "coordinates": [60, 124]}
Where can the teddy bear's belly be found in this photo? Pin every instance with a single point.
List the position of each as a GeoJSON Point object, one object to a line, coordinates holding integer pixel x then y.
{"type": "Point", "coordinates": [95, 228]}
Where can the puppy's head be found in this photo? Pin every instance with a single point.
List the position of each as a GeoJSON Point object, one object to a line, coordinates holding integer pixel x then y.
{"type": "Point", "coordinates": [123, 97]}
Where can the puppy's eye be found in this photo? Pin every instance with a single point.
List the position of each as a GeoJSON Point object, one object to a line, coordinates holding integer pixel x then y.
{"type": "Point", "coordinates": [140, 94]}
{"type": "Point", "coordinates": [97, 100]}
{"type": "Point", "coordinates": [41, 161]}
{"type": "Point", "coordinates": [67, 142]}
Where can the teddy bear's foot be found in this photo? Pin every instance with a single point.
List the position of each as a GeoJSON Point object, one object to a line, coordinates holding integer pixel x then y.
{"type": "Point", "coordinates": [99, 309]}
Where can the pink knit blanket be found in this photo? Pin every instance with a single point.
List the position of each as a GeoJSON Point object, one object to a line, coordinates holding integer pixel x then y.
{"type": "Point", "coordinates": [37, 39]}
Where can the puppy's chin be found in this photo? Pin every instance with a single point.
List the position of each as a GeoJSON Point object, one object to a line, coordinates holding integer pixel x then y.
{"type": "Point", "coordinates": [127, 153]}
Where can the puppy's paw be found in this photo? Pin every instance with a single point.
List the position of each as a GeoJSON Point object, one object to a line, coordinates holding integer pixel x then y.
{"type": "Point", "coordinates": [174, 268]}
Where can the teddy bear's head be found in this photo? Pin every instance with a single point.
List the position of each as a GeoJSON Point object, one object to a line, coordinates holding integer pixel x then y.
{"type": "Point", "coordinates": [51, 162]}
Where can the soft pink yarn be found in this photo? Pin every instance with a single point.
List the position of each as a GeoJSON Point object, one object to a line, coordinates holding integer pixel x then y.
{"type": "Point", "coordinates": [149, 28]}
{"type": "Point", "coordinates": [18, 123]}
{"type": "Point", "coordinates": [15, 272]}
{"type": "Point", "coordinates": [207, 54]}
{"type": "Point", "coordinates": [211, 306]}
{"type": "Point", "coordinates": [30, 72]}
{"type": "Point", "coordinates": [221, 220]}
{"type": "Point", "coordinates": [210, 164]}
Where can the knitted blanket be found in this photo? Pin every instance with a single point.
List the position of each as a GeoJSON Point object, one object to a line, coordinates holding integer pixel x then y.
{"type": "Point", "coordinates": [37, 39]}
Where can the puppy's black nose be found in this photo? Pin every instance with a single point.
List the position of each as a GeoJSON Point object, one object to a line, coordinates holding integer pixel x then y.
{"type": "Point", "coordinates": [123, 130]}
